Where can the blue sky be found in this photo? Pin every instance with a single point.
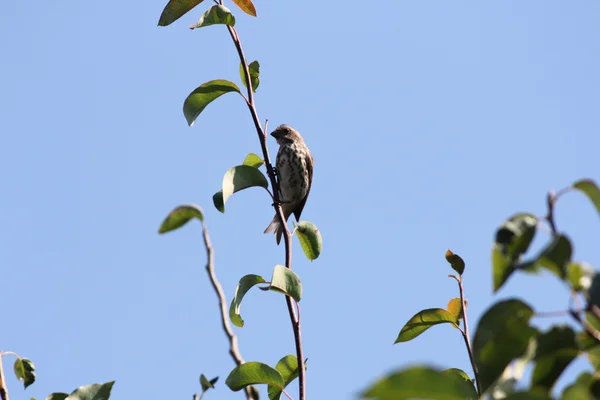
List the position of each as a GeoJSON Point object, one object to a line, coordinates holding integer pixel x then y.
{"type": "Point", "coordinates": [430, 123]}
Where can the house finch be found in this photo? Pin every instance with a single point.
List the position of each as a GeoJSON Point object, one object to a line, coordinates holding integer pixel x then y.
{"type": "Point", "coordinates": [295, 169]}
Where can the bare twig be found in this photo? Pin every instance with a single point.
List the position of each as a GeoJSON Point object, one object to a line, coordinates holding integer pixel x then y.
{"type": "Point", "coordinates": [234, 350]}
{"type": "Point", "coordinates": [262, 137]}
{"type": "Point", "coordinates": [550, 200]}
{"type": "Point", "coordinates": [465, 332]}
{"type": "Point", "coordinates": [3, 390]}
{"type": "Point", "coordinates": [593, 332]}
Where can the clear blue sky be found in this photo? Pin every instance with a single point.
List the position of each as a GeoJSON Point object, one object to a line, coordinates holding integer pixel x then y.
{"type": "Point", "coordinates": [430, 123]}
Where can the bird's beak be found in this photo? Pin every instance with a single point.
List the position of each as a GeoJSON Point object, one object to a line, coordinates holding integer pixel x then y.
{"type": "Point", "coordinates": [276, 134]}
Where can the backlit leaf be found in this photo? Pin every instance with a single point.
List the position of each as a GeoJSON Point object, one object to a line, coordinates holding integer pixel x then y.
{"type": "Point", "coordinates": [502, 335]}
{"type": "Point", "coordinates": [175, 9]}
{"type": "Point", "coordinates": [217, 14]}
{"type": "Point", "coordinates": [246, 283]}
{"type": "Point", "coordinates": [180, 216]}
{"type": "Point", "coordinates": [422, 321]}
{"type": "Point", "coordinates": [310, 239]}
{"type": "Point", "coordinates": [252, 373]}
{"type": "Point", "coordinates": [240, 178]}
{"type": "Point", "coordinates": [205, 94]}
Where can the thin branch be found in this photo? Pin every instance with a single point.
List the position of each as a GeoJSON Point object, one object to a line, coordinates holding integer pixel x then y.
{"type": "Point", "coordinates": [3, 389]}
{"type": "Point", "coordinates": [465, 333]}
{"type": "Point", "coordinates": [550, 200]}
{"type": "Point", "coordinates": [262, 138]}
{"type": "Point", "coordinates": [234, 350]}
{"type": "Point", "coordinates": [593, 332]}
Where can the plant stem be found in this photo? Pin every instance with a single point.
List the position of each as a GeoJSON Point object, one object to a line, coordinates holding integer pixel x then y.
{"type": "Point", "coordinates": [465, 333]}
{"type": "Point", "coordinates": [234, 350]}
{"type": "Point", "coordinates": [3, 390]}
{"type": "Point", "coordinates": [262, 138]}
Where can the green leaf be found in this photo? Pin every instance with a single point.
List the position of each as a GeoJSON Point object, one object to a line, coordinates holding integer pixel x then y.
{"type": "Point", "coordinates": [254, 70]}
{"type": "Point", "coordinates": [92, 392]}
{"type": "Point", "coordinates": [310, 239]}
{"type": "Point", "coordinates": [463, 375]}
{"type": "Point", "coordinates": [422, 321]}
{"type": "Point", "coordinates": [422, 383]}
{"type": "Point", "coordinates": [287, 282]}
{"type": "Point", "coordinates": [556, 256]}
{"type": "Point", "coordinates": [593, 293]}
{"type": "Point", "coordinates": [253, 160]}
{"type": "Point", "coordinates": [554, 352]}
{"type": "Point", "coordinates": [217, 14]}
{"type": "Point", "coordinates": [574, 275]}
{"type": "Point", "coordinates": [455, 261]}
{"type": "Point", "coordinates": [503, 334]}
{"type": "Point", "coordinates": [218, 201]}
{"type": "Point", "coordinates": [175, 9]}
{"type": "Point", "coordinates": [455, 309]}
{"type": "Point", "coordinates": [591, 190]}
{"type": "Point", "coordinates": [240, 178]}
{"type": "Point", "coordinates": [204, 94]}
{"type": "Point", "coordinates": [252, 373]}
{"type": "Point", "coordinates": [25, 371]}
{"type": "Point", "coordinates": [530, 395]}
{"type": "Point", "coordinates": [288, 368]}
{"type": "Point", "coordinates": [180, 216]}
{"type": "Point", "coordinates": [512, 240]}
{"type": "Point", "coordinates": [57, 396]}
{"type": "Point", "coordinates": [246, 6]}
{"type": "Point", "coordinates": [206, 384]}
{"type": "Point", "coordinates": [246, 283]}
{"type": "Point", "coordinates": [580, 389]}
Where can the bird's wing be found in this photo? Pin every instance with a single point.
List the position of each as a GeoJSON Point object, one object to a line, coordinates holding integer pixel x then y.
{"type": "Point", "coordinates": [309, 170]}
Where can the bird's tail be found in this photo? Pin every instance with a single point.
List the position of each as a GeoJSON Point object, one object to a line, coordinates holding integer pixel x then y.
{"type": "Point", "coordinates": [275, 227]}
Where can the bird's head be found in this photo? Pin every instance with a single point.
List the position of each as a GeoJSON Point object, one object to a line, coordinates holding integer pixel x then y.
{"type": "Point", "coordinates": [285, 134]}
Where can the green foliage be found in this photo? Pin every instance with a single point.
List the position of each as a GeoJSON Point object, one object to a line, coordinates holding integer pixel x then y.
{"type": "Point", "coordinates": [240, 178]}
{"type": "Point", "coordinates": [288, 368]}
{"type": "Point", "coordinates": [454, 307]}
{"type": "Point", "coordinates": [24, 371]}
{"type": "Point", "coordinates": [253, 160]}
{"type": "Point", "coordinates": [254, 71]}
{"type": "Point", "coordinates": [556, 256]}
{"type": "Point", "coordinates": [253, 373]}
{"type": "Point", "coordinates": [180, 216]}
{"type": "Point", "coordinates": [502, 335]}
{"type": "Point", "coordinates": [310, 239]}
{"type": "Point", "coordinates": [555, 350]}
{"type": "Point", "coordinates": [175, 9]}
{"type": "Point", "coordinates": [420, 382]}
{"type": "Point", "coordinates": [456, 262]}
{"type": "Point", "coordinates": [512, 240]}
{"type": "Point", "coordinates": [246, 283]}
{"type": "Point", "coordinates": [97, 391]}
{"type": "Point", "coordinates": [591, 190]}
{"type": "Point", "coordinates": [424, 320]}
{"type": "Point", "coordinates": [287, 282]}
{"type": "Point", "coordinates": [207, 384]}
{"type": "Point", "coordinates": [205, 94]}
{"type": "Point", "coordinates": [217, 14]}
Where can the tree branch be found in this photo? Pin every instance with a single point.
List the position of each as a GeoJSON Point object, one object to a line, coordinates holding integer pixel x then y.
{"type": "Point", "coordinates": [234, 350]}
{"type": "Point", "coordinates": [465, 332]}
{"type": "Point", "coordinates": [262, 138]}
{"type": "Point", "coordinates": [3, 390]}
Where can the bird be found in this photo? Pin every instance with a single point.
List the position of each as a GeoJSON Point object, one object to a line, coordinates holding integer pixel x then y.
{"type": "Point", "coordinates": [294, 166]}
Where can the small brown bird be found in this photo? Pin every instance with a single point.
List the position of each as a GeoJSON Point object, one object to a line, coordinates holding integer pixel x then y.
{"type": "Point", "coordinates": [295, 170]}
